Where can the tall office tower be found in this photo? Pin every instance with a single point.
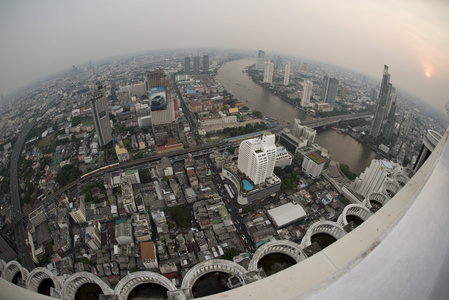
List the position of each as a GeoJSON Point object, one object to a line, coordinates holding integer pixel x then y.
{"type": "Point", "coordinates": [329, 90]}
{"type": "Point", "coordinates": [343, 93]}
{"type": "Point", "coordinates": [373, 94]}
{"type": "Point", "coordinates": [430, 141]}
{"type": "Point", "coordinates": [260, 63]}
{"type": "Point", "coordinates": [187, 65]}
{"type": "Point", "coordinates": [277, 63]}
{"type": "Point", "coordinates": [287, 73]}
{"type": "Point", "coordinates": [307, 93]}
{"type": "Point", "coordinates": [408, 124]}
{"type": "Point", "coordinates": [391, 121]}
{"type": "Point", "coordinates": [304, 66]}
{"type": "Point", "coordinates": [372, 178]}
{"type": "Point", "coordinates": [100, 115]}
{"type": "Point", "coordinates": [382, 103]}
{"type": "Point", "coordinates": [196, 65]}
{"type": "Point", "coordinates": [391, 100]}
{"type": "Point", "coordinates": [300, 130]}
{"type": "Point", "coordinates": [268, 72]}
{"type": "Point", "coordinates": [257, 157]}
{"type": "Point", "coordinates": [205, 63]}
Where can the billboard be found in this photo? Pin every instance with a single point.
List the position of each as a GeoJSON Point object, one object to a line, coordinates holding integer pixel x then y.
{"type": "Point", "coordinates": [158, 98]}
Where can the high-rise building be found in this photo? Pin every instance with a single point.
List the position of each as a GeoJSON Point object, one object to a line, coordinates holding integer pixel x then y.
{"type": "Point", "coordinates": [205, 63]}
{"type": "Point", "coordinates": [93, 237]}
{"type": "Point", "coordinates": [313, 164]}
{"type": "Point", "coordinates": [128, 196]}
{"type": "Point", "coordinates": [257, 157]}
{"type": "Point", "coordinates": [38, 216]}
{"type": "Point", "coordinates": [196, 65]}
{"type": "Point", "coordinates": [372, 178]}
{"type": "Point", "coordinates": [260, 63]}
{"type": "Point", "coordinates": [163, 105]}
{"type": "Point", "coordinates": [187, 65]}
{"type": "Point", "coordinates": [343, 93]}
{"type": "Point", "coordinates": [100, 114]}
{"type": "Point", "coordinates": [382, 103]}
{"type": "Point", "coordinates": [329, 90]}
{"type": "Point", "coordinates": [287, 73]}
{"type": "Point", "coordinates": [408, 124]}
{"type": "Point", "coordinates": [307, 93]}
{"type": "Point", "coordinates": [391, 121]}
{"type": "Point", "coordinates": [268, 72]}
{"type": "Point", "coordinates": [300, 130]}
{"type": "Point", "coordinates": [78, 211]}
{"type": "Point", "coordinates": [391, 100]}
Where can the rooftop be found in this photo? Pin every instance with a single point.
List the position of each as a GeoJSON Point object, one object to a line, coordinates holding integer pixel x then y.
{"type": "Point", "coordinates": [316, 157]}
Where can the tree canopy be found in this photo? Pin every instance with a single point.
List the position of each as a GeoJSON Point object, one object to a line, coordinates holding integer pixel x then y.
{"type": "Point", "coordinates": [181, 216]}
{"type": "Point", "coordinates": [67, 174]}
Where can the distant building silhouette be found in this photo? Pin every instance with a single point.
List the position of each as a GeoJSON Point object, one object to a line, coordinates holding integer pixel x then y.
{"type": "Point", "coordinates": [196, 65]}
{"type": "Point", "coordinates": [187, 65]}
{"type": "Point", "coordinates": [205, 63]}
{"type": "Point", "coordinates": [260, 63]}
{"type": "Point", "coordinates": [268, 72]}
{"type": "Point", "coordinates": [287, 73]}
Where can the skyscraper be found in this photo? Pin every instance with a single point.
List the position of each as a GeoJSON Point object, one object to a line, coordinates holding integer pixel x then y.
{"type": "Point", "coordinates": [196, 65]}
{"type": "Point", "coordinates": [100, 115]}
{"type": "Point", "coordinates": [187, 65]}
{"type": "Point", "coordinates": [205, 63]}
{"type": "Point", "coordinates": [268, 72]}
{"type": "Point", "coordinates": [329, 90]}
{"type": "Point", "coordinates": [391, 100]}
{"type": "Point", "coordinates": [287, 73]}
{"type": "Point", "coordinates": [257, 157]}
{"type": "Point", "coordinates": [391, 121]}
{"type": "Point", "coordinates": [382, 103]}
{"type": "Point", "coordinates": [260, 63]}
{"type": "Point", "coordinates": [307, 93]}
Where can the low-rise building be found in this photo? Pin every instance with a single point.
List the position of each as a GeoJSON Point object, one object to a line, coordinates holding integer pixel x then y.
{"type": "Point", "coordinates": [148, 255]}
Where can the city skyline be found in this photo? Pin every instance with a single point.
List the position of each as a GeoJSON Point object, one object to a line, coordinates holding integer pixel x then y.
{"type": "Point", "coordinates": [408, 36]}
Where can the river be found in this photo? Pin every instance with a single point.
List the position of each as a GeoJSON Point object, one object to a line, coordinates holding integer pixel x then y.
{"type": "Point", "coordinates": [342, 147]}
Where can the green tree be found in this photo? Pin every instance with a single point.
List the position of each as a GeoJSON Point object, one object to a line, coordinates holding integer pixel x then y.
{"type": "Point", "coordinates": [231, 150]}
{"type": "Point", "coordinates": [144, 175]}
{"type": "Point", "coordinates": [67, 174]}
{"type": "Point", "coordinates": [181, 216]}
{"type": "Point", "coordinates": [345, 169]}
{"type": "Point", "coordinates": [229, 255]}
{"type": "Point", "coordinates": [85, 260]}
{"type": "Point", "coordinates": [258, 114]}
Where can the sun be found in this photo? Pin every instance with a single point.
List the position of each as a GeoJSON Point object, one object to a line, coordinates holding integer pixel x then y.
{"type": "Point", "coordinates": [428, 74]}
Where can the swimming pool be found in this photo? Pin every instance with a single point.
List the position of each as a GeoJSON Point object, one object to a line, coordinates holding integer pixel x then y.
{"type": "Point", "coordinates": [246, 185]}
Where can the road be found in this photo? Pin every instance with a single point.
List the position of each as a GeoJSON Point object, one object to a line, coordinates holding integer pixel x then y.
{"type": "Point", "coordinates": [19, 227]}
{"type": "Point", "coordinates": [233, 209]}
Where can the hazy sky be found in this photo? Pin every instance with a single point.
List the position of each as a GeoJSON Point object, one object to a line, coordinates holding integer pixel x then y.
{"type": "Point", "coordinates": [38, 38]}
